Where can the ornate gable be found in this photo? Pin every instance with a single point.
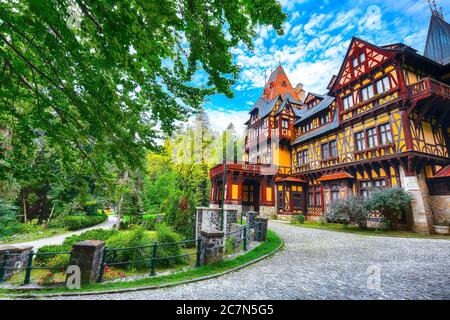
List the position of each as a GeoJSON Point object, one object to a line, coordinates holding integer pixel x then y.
{"type": "Point", "coordinates": [361, 58]}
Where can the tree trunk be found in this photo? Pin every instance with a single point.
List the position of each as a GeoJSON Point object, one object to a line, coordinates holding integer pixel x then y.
{"type": "Point", "coordinates": [24, 202]}
{"type": "Point", "coordinates": [119, 213]}
{"type": "Point", "coordinates": [51, 214]}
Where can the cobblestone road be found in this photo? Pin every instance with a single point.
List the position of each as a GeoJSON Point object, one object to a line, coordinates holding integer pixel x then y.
{"type": "Point", "coordinates": [320, 264]}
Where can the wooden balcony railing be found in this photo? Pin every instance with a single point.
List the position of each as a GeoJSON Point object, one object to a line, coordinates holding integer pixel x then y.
{"type": "Point", "coordinates": [427, 87]}
{"type": "Point", "coordinates": [263, 169]}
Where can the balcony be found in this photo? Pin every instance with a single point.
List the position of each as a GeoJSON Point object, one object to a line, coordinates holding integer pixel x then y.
{"type": "Point", "coordinates": [377, 152]}
{"type": "Point", "coordinates": [430, 97]}
{"type": "Point", "coordinates": [252, 169]}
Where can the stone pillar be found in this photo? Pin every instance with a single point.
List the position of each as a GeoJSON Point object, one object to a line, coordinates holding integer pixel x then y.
{"type": "Point", "coordinates": [212, 246]}
{"type": "Point", "coordinates": [262, 225]}
{"type": "Point", "coordinates": [16, 257]}
{"type": "Point", "coordinates": [88, 256]}
{"type": "Point", "coordinates": [422, 215]}
{"type": "Point", "coordinates": [251, 215]}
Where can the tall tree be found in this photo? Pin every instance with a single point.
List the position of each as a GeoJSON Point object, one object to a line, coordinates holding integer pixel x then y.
{"type": "Point", "coordinates": [99, 76]}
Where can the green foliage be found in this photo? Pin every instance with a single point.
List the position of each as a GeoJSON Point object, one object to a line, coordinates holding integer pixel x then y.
{"type": "Point", "coordinates": [181, 216]}
{"type": "Point", "coordinates": [138, 237]}
{"type": "Point", "coordinates": [353, 209]}
{"type": "Point", "coordinates": [230, 245]}
{"type": "Point", "coordinates": [151, 221]}
{"type": "Point", "coordinates": [165, 234]}
{"type": "Point", "coordinates": [59, 263]}
{"type": "Point", "coordinates": [9, 225]}
{"type": "Point", "coordinates": [97, 234]}
{"type": "Point", "coordinates": [72, 223]}
{"type": "Point", "coordinates": [301, 219]}
{"type": "Point", "coordinates": [48, 252]}
{"type": "Point", "coordinates": [73, 78]}
{"type": "Point", "coordinates": [390, 202]}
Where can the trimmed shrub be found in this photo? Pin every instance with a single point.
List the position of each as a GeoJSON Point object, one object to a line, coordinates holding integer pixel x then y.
{"type": "Point", "coordinates": [59, 263]}
{"type": "Point", "coordinates": [165, 234]}
{"type": "Point", "coordinates": [301, 219]}
{"type": "Point", "coordinates": [150, 221]}
{"type": "Point", "coordinates": [138, 237]}
{"type": "Point", "coordinates": [97, 234]}
{"type": "Point", "coordinates": [73, 223]}
{"type": "Point", "coordinates": [46, 258]}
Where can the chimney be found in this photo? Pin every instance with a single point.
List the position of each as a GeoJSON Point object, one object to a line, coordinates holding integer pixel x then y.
{"type": "Point", "coordinates": [300, 92]}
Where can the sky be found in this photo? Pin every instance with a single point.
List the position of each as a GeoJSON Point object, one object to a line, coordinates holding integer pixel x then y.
{"type": "Point", "coordinates": [316, 38]}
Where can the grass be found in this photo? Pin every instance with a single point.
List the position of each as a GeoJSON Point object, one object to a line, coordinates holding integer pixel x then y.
{"type": "Point", "coordinates": [371, 232]}
{"type": "Point", "coordinates": [37, 234]}
{"type": "Point", "coordinates": [273, 243]}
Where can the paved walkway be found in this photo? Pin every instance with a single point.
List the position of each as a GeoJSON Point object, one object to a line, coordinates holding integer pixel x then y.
{"type": "Point", "coordinates": [319, 264]}
{"type": "Point", "coordinates": [108, 224]}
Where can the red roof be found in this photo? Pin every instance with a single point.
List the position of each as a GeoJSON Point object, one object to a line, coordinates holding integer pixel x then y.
{"type": "Point", "coordinates": [443, 173]}
{"type": "Point", "coordinates": [336, 176]}
{"type": "Point", "coordinates": [290, 179]}
{"type": "Point", "coordinates": [278, 84]}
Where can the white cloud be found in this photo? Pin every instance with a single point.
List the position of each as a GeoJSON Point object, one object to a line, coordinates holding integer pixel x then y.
{"type": "Point", "coordinates": [220, 119]}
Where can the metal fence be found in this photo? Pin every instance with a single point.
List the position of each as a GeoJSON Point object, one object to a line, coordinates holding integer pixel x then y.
{"type": "Point", "coordinates": [150, 258]}
{"type": "Point", "coordinates": [28, 267]}
{"type": "Point", "coordinates": [245, 236]}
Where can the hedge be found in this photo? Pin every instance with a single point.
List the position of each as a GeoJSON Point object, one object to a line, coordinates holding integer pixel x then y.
{"type": "Point", "coordinates": [73, 223]}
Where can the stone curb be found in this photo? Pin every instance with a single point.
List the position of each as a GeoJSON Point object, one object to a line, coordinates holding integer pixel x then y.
{"type": "Point", "coordinates": [161, 286]}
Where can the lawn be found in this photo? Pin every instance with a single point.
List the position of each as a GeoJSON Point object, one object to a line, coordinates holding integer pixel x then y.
{"type": "Point", "coordinates": [371, 232]}
{"type": "Point", "coordinates": [272, 244]}
{"type": "Point", "coordinates": [35, 234]}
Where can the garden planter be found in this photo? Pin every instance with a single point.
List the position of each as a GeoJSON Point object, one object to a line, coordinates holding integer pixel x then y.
{"type": "Point", "coordinates": [442, 230]}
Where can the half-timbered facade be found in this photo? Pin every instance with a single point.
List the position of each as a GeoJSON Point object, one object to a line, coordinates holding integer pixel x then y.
{"type": "Point", "coordinates": [384, 122]}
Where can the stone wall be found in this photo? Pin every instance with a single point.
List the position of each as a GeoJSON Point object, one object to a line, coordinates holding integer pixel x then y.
{"type": "Point", "coordinates": [17, 258]}
{"type": "Point", "coordinates": [267, 212]}
{"type": "Point", "coordinates": [440, 205]}
{"type": "Point", "coordinates": [211, 219]}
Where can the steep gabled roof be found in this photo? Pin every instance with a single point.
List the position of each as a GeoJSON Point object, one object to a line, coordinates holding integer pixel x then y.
{"type": "Point", "coordinates": [278, 84]}
{"type": "Point", "coordinates": [437, 47]}
{"type": "Point", "coordinates": [306, 114]}
{"type": "Point", "coordinates": [318, 132]}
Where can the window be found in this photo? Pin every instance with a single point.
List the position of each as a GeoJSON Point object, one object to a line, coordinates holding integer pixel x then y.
{"type": "Point", "coordinates": [335, 194]}
{"type": "Point", "coordinates": [371, 138]}
{"type": "Point", "coordinates": [325, 151]}
{"type": "Point", "coordinates": [385, 134]}
{"type": "Point", "coordinates": [302, 157]}
{"type": "Point", "coordinates": [297, 199]}
{"type": "Point", "coordinates": [367, 187]}
{"type": "Point", "coordinates": [285, 124]}
{"type": "Point", "coordinates": [333, 149]}
{"type": "Point", "coordinates": [314, 197]}
{"type": "Point", "coordinates": [348, 102]}
{"type": "Point", "coordinates": [367, 93]}
{"type": "Point", "coordinates": [360, 141]}
{"type": "Point", "coordinates": [362, 57]}
{"type": "Point", "coordinates": [383, 85]}
{"type": "Point", "coordinates": [329, 150]}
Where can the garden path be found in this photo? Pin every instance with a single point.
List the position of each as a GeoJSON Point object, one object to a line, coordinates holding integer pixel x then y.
{"type": "Point", "coordinates": [36, 244]}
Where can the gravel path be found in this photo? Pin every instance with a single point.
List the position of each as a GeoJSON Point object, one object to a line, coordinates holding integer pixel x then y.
{"type": "Point", "coordinates": [108, 224]}
{"type": "Point", "coordinates": [319, 264]}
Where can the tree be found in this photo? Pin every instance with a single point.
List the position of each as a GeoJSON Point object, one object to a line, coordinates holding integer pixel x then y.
{"type": "Point", "coordinates": [97, 77]}
{"type": "Point", "coordinates": [391, 203]}
{"type": "Point", "coordinates": [351, 210]}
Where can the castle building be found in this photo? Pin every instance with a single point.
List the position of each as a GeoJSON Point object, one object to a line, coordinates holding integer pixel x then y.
{"type": "Point", "coordinates": [384, 122]}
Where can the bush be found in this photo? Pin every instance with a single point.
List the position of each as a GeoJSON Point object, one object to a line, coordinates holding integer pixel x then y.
{"type": "Point", "coordinates": [77, 222]}
{"type": "Point", "coordinates": [353, 209]}
{"type": "Point", "coordinates": [97, 234]}
{"type": "Point", "coordinates": [59, 263]}
{"type": "Point", "coordinates": [391, 203]}
{"type": "Point", "coordinates": [138, 237]}
{"type": "Point", "coordinates": [150, 221]}
{"type": "Point", "coordinates": [165, 234]}
{"type": "Point", "coordinates": [301, 219]}
{"type": "Point", "coordinates": [44, 259]}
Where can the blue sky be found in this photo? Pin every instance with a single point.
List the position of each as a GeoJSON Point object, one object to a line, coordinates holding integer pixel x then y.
{"type": "Point", "coordinates": [317, 35]}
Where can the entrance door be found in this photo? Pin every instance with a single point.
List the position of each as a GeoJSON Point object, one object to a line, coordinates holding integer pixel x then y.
{"type": "Point", "coordinates": [251, 195]}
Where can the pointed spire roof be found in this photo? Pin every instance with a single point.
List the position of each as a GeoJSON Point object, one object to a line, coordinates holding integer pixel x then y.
{"type": "Point", "coordinates": [278, 85]}
{"type": "Point", "coordinates": [437, 47]}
